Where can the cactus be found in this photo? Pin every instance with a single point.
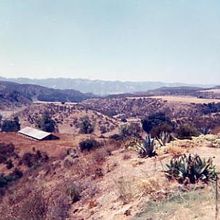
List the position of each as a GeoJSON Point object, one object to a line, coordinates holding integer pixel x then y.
{"type": "Point", "coordinates": [164, 138]}
{"type": "Point", "coordinates": [191, 169]}
{"type": "Point", "coordinates": [145, 148]}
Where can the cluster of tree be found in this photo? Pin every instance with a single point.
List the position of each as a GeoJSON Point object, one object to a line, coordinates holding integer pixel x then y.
{"type": "Point", "coordinates": [46, 123]}
{"type": "Point", "coordinates": [161, 127]}
{"type": "Point", "coordinates": [9, 125]}
{"type": "Point", "coordinates": [210, 108]}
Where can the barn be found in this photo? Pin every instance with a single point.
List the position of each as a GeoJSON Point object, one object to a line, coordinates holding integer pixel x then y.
{"type": "Point", "coordinates": [36, 134]}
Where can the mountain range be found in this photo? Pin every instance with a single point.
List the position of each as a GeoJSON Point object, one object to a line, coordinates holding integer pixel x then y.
{"type": "Point", "coordinates": [98, 87]}
{"type": "Point", "coordinates": [16, 94]}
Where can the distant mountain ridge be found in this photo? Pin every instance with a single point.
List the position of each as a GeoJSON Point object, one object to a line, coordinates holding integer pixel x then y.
{"type": "Point", "coordinates": [15, 94]}
{"type": "Point", "coordinates": [99, 87]}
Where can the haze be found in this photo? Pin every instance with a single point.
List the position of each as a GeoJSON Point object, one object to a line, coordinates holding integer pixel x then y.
{"type": "Point", "coordinates": [134, 40]}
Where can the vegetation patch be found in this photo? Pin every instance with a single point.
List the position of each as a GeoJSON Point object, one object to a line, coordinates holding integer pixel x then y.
{"type": "Point", "coordinates": [88, 144]}
{"type": "Point", "coordinates": [191, 169]}
{"type": "Point", "coordinates": [185, 205]}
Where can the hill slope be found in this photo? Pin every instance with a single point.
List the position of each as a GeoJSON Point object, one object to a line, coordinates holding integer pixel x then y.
{"type": "Point", "coordinates": [21, 94]}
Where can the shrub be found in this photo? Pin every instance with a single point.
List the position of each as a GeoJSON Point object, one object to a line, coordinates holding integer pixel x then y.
{"type": "Point", "coordinates": [46, 123]}
{"type": "Point", "coordinates": [9, 164]}
{"type": "Point", "coordinates": [74, 193]}
{"type": "Point", "coordinates": [33, 207]}
{"type": "Point", "coordinates": [159, 126]}
{"type": "Point", "coordinates": [116, 137]}
{"type": "Point", "coordinates": [85, 125]}
{"type": "Point", "coordinates": [11, 125]}
{"type": "Point", "coordinates": [6, 151]}
{"type": "Point", "coordinates": [186, 131]}
{"type": "Point", "coordinates": [191, 169]}
{"type": "Point", "coordinates": [130, 130]}
{"type": "Point", "coordinates": [88, 144]}
{"type": "Point", "coordinates": [158, 119]}
{"type": "Point", "coordinates": [34, 159]}
{"type": "Point", "coordinates": [13, 176]}
{"type": "Point", "coordinates": [103, 129]}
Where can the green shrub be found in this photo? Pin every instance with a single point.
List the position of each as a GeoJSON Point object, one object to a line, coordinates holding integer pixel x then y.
{"type": "Point", "coordinates": [85, 125]}
{"type": "Point", "coordinates": [186, 131]}
{"type": "Point", "coordinates": [11, 125]}
{"type": "Point", "coordinates": [159, 126]}
{"type": "Point", "coordinates": [88, 144]}
{"type": "Point", "coordinates": [191, 169]}
{"type": "Point", "coordinates": [13, 176]}
{"type": "Point", "coordinates": [46, 123]}
{"type": "Point", "coordinates": [6, 151]}
{"type": "Point", "coordinates": [130, 130]}
{"type": "Point", "coordinates": [157, 123]}
{"type": "Point", "coordinates": [34, 159]}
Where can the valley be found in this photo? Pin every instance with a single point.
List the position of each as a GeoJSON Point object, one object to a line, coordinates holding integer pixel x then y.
{"type": "Point", "coordinates": [110, 158]}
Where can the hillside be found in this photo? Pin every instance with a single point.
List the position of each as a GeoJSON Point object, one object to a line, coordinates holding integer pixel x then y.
{"type": "Point", "coordinates": [98, 87]}
{"type": "Point", "coordinates": [15, 94]}
{"type": "Point", "coordinates": [67, 117]}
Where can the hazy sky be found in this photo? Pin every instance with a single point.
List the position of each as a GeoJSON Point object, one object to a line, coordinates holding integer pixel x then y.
{"type": "Point", "coordinates": [156, 40]}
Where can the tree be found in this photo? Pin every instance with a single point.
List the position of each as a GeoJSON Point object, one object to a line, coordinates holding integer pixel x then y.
{"type": "Point", "coordinates": [159, 126]}
{"type": "Point", "coordinates": [85, 125]}
{"type": "Point", "coordinates": [46, 123]}
{"type": "Point", "coordinates": [11, 125]}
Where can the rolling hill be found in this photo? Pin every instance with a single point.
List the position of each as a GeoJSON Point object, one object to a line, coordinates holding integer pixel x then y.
{"type": "Point", "coordinates": [15, 94]}
{"type": "Point", "coordinates": [98, 87]}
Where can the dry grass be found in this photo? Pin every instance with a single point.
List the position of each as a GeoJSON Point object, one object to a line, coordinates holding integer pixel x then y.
{"type": "Point", "coordinates": [186, 99]}
{"type": "Point", "coordinates": [131, 188]}
{"type": "Point", "coordinates": [194, 204]}
{"type": "Point", "coordinates": [176, 150]}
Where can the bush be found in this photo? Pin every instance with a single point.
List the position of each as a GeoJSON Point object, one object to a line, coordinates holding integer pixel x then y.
{"type": "Point", "coordinates": [191, 169]}
{"type": "Point", "coordinates": [130, 130]}
{"type": "Point", "coordinates": [186, 131]}
{"type": "Point", "coordinates": [13, 176]}
{"type": "Point", "coordinates": [103, 129]}
{"type": "Point", "coordinates": [6, 151]}
{"type": "Point", "coordinates": [88, 144]}
{"type": "Point", "coordinates": [46, 123]}
{"type": "Point", "coordinates": [74, 193]}
{"type": "Point", "coordinates": [154, 120]}
{"type": "Point", "coordinates": [11, 125]}
{"type": "Point", "coordinates": [85, 125]}
{"type": "Point", "coordinates": [157, 123]}
{"type": "Point", "coordinates": [116, 137]}
{"type": "Point", "coordinates": [34, 159]}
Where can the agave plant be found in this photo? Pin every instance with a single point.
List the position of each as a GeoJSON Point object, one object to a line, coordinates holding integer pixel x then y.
{"type": "Point", "coordinates": [145, 148]}
{"type": "Point", "coordinates": [164, 138]}
{"type": "Point", "coordinates": [191, 169]}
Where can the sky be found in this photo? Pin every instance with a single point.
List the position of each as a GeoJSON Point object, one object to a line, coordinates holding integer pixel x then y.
{"type": "Point", "coordinates": [128, 40]}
